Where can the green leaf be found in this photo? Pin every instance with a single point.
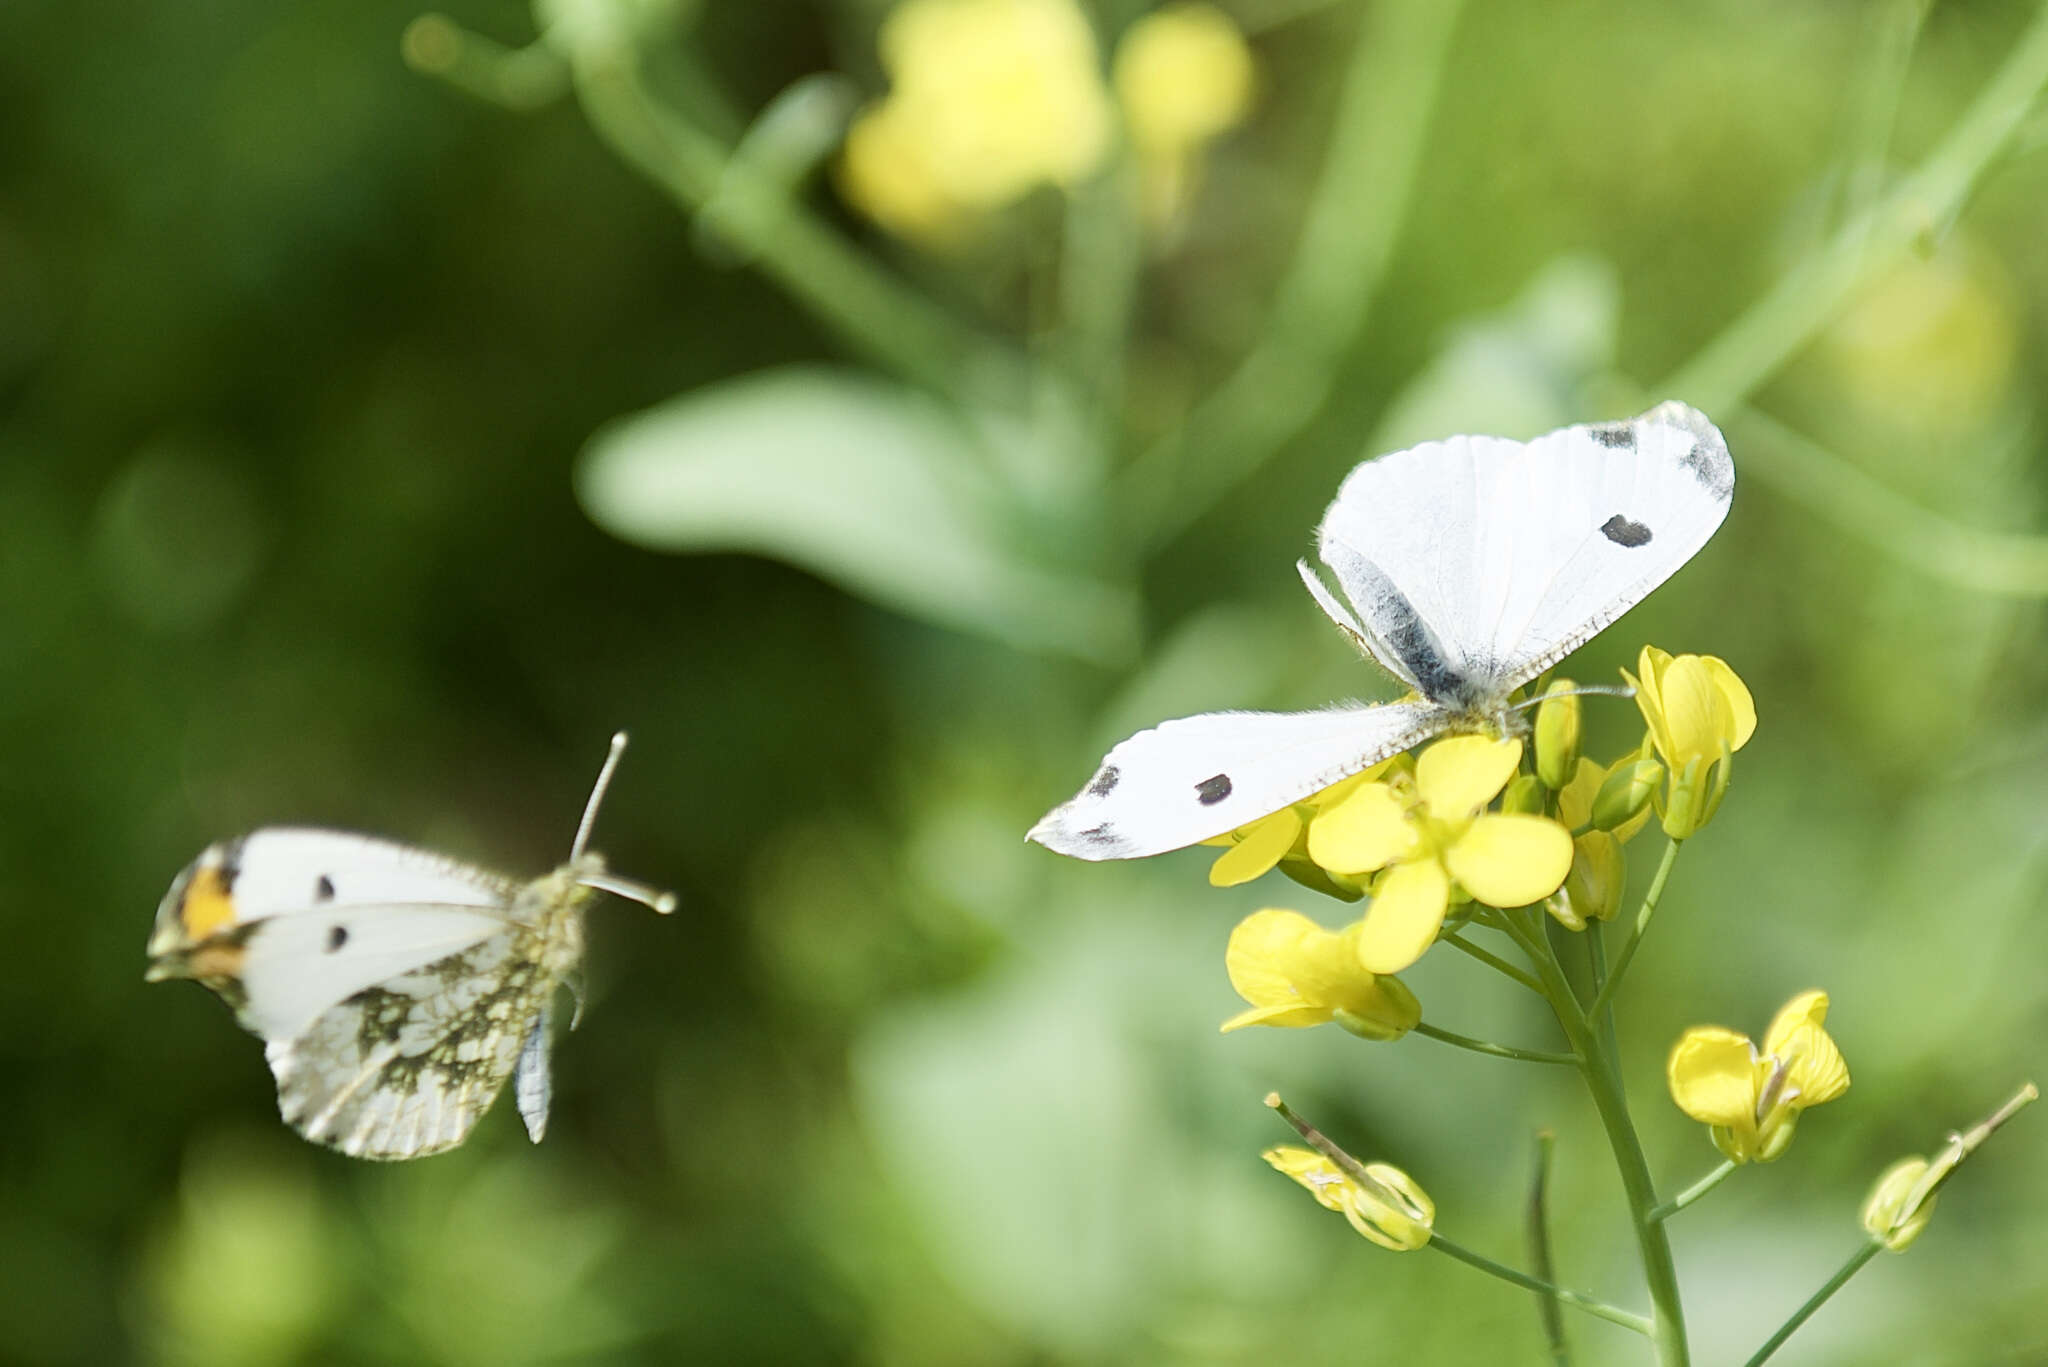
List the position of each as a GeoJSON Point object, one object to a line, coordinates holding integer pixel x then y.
{"type": "Point", "coordinates": [863, 482]}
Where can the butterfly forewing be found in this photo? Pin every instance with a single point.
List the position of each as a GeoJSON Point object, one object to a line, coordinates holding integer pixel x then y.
{"type": "Point", "coordinates": [1187, 780]}
{"type": "Point", "coordinates": [1504, 557]}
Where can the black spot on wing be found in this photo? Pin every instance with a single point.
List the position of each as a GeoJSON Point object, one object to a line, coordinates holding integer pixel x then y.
{"type": "Point", "coordinates": [1106, 839]}
{"type": "Point", "coordinates": [1615, 436]}
{"type": "Point", "coordinates": [230, 867]}
{"type": "Point", "coordinates": [1708, 463]}
{"type": "Point", "coordinates": [1104, 781]}
{"type": "Point", "coordinates": [1213, 789]}
{"type": "Point", "coordinates": [323, 891]}
{"type": "Point", "coordinates": [1623, 532]}
{"type": "Point", "coordinates": [337, 936]}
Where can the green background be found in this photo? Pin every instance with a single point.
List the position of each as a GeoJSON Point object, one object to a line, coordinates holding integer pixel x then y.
{"type": "Point", "coordinates": [300, 351]}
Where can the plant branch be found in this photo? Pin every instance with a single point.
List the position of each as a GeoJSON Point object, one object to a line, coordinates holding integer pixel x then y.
{"type": "Point", "coordinates": [1480, 1046]}
{"type": "Point", "coordinates": [1547, 1304]}
{"type": "Point", "coordinates": [1577, 1299]}
{"type": "Point", "coordinates": [1636, 928]}
{"type": "Point", "coordinates": [1695, 1191]}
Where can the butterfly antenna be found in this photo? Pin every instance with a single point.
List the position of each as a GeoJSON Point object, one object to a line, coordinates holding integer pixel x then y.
{"type": "Point", "coordinates": [1599, 690]}
{"type": "Point", "coordinates": [604, 781]}
{"type": "Point", "coordinates": [629, 888]}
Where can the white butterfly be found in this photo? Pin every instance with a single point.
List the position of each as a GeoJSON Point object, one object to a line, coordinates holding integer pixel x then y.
{"type": "Point", "coordinates": [1473, 564]}
{"type": "Point", "coordinates": [396, 989]}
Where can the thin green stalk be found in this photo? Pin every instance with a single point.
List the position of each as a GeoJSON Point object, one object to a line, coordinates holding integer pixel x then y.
{"type": "Point", "coordinates": [1745, 353]}
{"type": "Point", "coordinates": [1636, 929]}
{"type": "Point", "coordinates": [813, 263]}
{"type": "Point", "coordinates": [1480, 1046]}
{"type": "Point", "coordinates": [1578, 1300]}
{"type": "Point", "coordinates": [1814, 1302]}
{"type": "Point", "coordinates": [1491, 960]}
{"type": "Point", "coordinates": [1354, 217]}
{"type": "Point", "coordinates": [1547, 1302]}
{"type": "Point", "coordinates": [1695, 1191]}
{"type": "Point", "coordinates": [1602, 1076]}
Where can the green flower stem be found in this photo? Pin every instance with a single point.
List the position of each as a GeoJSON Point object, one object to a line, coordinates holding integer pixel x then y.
{"type": "Point", "coordinates": [1480, 1046]}
{"type": "Point", "coordinates": [810, 261]}
{"type": "Point", "coordinates": [1548, 1305]}
{"type": "Point", "coordinates": [1491, 960]}
{"type": "Point", "coordinates": [1695, 1191]}
{"type": "Point", "coordinates": [1725, 371]}
{"type": "Point", "coordinates": [1602, 1002]}
{"type": "Point", "coordinates": [1602, 1075]}
{"type": "Point", "coordinates": [1869, 1250]}
{"type": "Point", "coordinates": [1578, 1300]}
{"type": "Point", "coordinates": [1354, 217]}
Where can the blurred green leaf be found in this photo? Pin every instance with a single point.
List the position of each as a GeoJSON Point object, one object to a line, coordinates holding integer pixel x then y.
{"type": "Point", "coordinates": [863, 482]}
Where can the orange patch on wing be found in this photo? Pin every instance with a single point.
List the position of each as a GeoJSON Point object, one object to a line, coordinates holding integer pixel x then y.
{"type": "Point", "coordinates": [212, 963]}
{"type": "Point", "coordinates": [207, 907]}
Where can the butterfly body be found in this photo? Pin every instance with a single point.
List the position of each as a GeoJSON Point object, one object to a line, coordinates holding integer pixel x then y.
{"type": "Point", "coordinates": [1466, 567]}
{"type": "Point", "coordinates": [396, 989]}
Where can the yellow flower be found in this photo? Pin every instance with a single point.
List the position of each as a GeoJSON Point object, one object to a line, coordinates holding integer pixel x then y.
{"type": "Point", "coordinates": [1699, 713]}
{"type": "Point", "coordinates": [1389, 1208]}
{"type": "Point", "coordinates": [1182, 75]}
{"type": "Point", "coordinates": [1295, 973]}
{"type": "Point", "coordinates": [1431, 830]}
{"type": "Point", "coordinates": [1752, 1097]}
{"type": "Point", "coordinates": [988, 99]}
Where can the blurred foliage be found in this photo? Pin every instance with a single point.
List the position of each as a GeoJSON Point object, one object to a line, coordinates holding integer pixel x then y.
{"type": "Point", "coordinates": [349, 424]}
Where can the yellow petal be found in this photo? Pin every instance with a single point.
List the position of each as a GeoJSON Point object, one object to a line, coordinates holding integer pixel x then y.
{"type": "Point", "coordinates": [1808, 1008]}
{"type": "Point", "coordinates": [1740, 705]}
{"type": "Point", "coordinates": [1575, 799]}
{"type": "Point", "coordinates": [1599, 872]}
{"type": "Point", "coordinates": [1511, 861]}
{"type": "Point", "coordinates": [1291, 1017]}
{"type": "Point", "coordinates": [1367, 830]}
{"type": "Point", "coordinates": [1265, 842]}
{"type": "Point", "coordinates": [1457, 777]}
{"type": "Point", "coordinates": [1405, 916]}
{"type": "Point", "coordinates": [1394, 1212]}
{"type": "Point", "coordinates": [1262, 952]}
{"type": "Point", "coordinates": [1818, 1072]}
{"type": "Point", "coordinates": [1712, 1073]}
{"type": "Point", "coordinates": [1323, 1178]}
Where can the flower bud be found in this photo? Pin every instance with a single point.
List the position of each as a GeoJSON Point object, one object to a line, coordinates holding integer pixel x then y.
{"type": "Point", "coordinates": [1557, 735]}
{"type": "Point", "coordinates": [1626, 792]}
{"type": "Point", "coordinates": [1599, 873]}
{"type": "Point", "coordinates": [1524, 795]}
{"type": "Point", "coordinates": [1391, 1012]}
{"type": "Point", "coordinates": [1899, 1207]}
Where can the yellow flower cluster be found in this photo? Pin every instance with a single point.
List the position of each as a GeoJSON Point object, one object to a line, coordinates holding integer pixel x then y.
{"type": "Point", "coordinates": [1421, 835]}
{"type": "Point", "coordinates": [989, 99]}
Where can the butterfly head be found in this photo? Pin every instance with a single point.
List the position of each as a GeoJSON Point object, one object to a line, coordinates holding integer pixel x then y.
{"type": "Point", "coordinates": [199, 932]}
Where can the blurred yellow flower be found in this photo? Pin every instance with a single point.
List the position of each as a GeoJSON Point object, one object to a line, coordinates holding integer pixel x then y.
{"type": "Point", "coordinates": [1295, 973]}
{"type": "Point", "coordinates": [1182, 75]}
{"type": "Point", "coordinates": [1389, 1208]}
{"type": "Point", "coordinates": [988, 99]}
{"type": "Point", "coordinates": [1699, 713]}
{"type": "Point", "coordinates": [1752, 1097]}
{"type": "Point", "coordinates": [1930, 345]}
{"type": "Point", "coordinates": [1431, 830]}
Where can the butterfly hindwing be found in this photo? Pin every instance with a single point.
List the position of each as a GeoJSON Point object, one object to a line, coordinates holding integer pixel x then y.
{"type": "Point", "coordinates": [1187, 780]}
{"type": "Point", "coordinates": [405, 1068]}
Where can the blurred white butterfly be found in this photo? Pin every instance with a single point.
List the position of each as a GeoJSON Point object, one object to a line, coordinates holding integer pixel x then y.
{"type": "Point", "coordinates": [396, 989]}
{"type": "Point", "coordinates": [1473, 565]}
